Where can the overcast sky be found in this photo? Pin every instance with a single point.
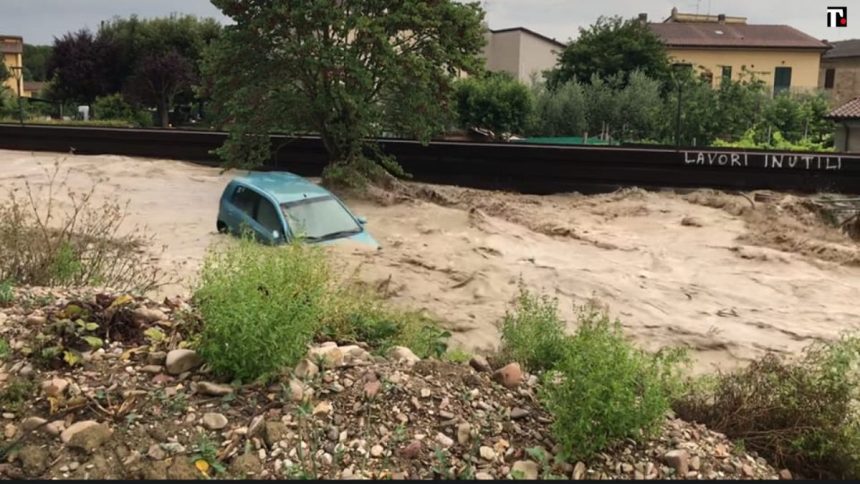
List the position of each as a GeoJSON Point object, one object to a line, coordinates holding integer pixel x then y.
{"type": "Point", "coordinates": [39, 21]}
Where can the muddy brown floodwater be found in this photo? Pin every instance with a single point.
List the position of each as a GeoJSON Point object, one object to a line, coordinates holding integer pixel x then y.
{"type": "Point", "coordinates": [704, 270]}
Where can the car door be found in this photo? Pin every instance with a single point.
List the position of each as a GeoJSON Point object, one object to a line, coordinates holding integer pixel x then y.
{"type": "Point", "coordinates": [268, 222]}
{"type": "Point", "coordinates": [240, 208]}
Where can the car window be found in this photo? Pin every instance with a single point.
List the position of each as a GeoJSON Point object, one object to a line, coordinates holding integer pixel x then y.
{"type": "Point", "coordinates": [318, 218]}
{"type": "Point", "coordinates": [246, 200]}
{"type": "Point", "coordinates": [267, 216]}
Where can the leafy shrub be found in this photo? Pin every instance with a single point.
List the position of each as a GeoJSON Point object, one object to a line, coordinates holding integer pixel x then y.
{"type": "Point", "coordinates": [7, 293]}
{"type": "Point", "coordinates": [496, 102]}
{"type": "Point", "coordinates": [115, 108]}
{"type": "Point", "coordinates": [5, 350]}
{"type": "Point", "coordinates": [354, 313]}
{"type": "Point", "coordinates": [261, 306]}
{"type": "Point", "coordinates": [605, 390]}
{"type": "Point", "coordinates": [801, 415]}
{"type": "Point", "coordinates": [533, 334]}
{"type": "Point", "coordinates": [45, 245]}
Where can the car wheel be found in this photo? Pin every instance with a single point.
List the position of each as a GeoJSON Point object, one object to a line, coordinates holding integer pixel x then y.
{"type": "Point", "coordinates": [222, 227]}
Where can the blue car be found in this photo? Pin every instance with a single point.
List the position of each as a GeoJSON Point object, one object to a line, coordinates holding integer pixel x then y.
{"type": "Point", "coordinates": [279, 207]}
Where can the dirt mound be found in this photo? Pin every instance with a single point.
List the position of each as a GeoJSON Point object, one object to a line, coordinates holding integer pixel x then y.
{"type": "Point", "coordinates": [151, 411]}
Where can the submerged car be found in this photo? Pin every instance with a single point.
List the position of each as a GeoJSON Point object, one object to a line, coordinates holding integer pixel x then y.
{"type": "Point", "coordinates": [279, 207]}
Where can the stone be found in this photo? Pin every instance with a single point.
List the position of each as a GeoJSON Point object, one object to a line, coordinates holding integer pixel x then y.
{"type": "Point", "coordinates": [32, 423]}
{"type": "Point", "coordinates": [695, 463]}
{"type": "Point", "coordinates": [329, 356]}
{"type": "Point", "coordinates": [36, 319]}
{"type": "Point", "coordinates": [182, 360]}
{"type": "Point", "coordinates": [323, 408]}
{"type": "Point", "coordinates": [579, 471]}
{"type": "Point", "coordinates": [87, 435]}
{"type": "Point", "coordinates": [10, 431]}
{"type": "Point", "coordinates": [246, 465]}
{"type": "Point", "coordinates": [274, 432]}
{"type": "Point", "coordinates": [401, 354]}
{"type": "Point", "coordinates": [483, 476]}
{"type": "Point", "coordinates": [412, 450]}
{"type": "Point", "coordinates": [155, 452]}
{"type": "Point", "coordinates": [214, 421]}
{"type": "Point", "coordinates": [464, 433]}
{"type": "Point", "coordinates": [679, 460]}
{"type": "Point", "coordinates": [371, 388]}
{"type": "Point", "coordinates": [444, 440]}
{"type": "Point", "coordinates": [509, 376]}
{"type": "Point", "coordinates": [55, 387]}
{"type": "Point", "coordinates": [213, 389]}
{"type": "Point", "coordinates": [306, 369]}
{"type": "Point", "coordinates": [525, 469]}
{"type": "Point", "coordinates": [377, 451]}
{"type": "Point", "coordinates": [487, 453]}
{"type": "Point", "coordinates": [156, 358]}
{"type": "Point", "coordinates": [55, 428]}
{"type": "Point", "coordinates": [34, 460]}
{"type": "Point", "coordinates": [173, 447]}
{"type": "Point", "coordinates": [151, 369]}
{"type": "Point", "coordinates": [479, 363]}
{"type": "Point", "coordinates": [747, 470]}
{"type": "Point", "coordinates": [147, 316]}
{"type": "Point", "coordinates": [518, 413]}
{"type": "Point", "coordinates": [785, 475]}
{"type": "Point", "coordinates": [297, 390]}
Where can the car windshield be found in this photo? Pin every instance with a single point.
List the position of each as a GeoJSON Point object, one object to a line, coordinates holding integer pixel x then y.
{"type": "Point", "coordinates": [319, 219]}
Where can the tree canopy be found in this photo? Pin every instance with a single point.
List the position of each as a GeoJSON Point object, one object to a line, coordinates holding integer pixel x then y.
{"type": "Point", "coordinates": [611, 47]}
{"type": "Point", "coordinates": [495, 102]}
{"type": "Point", "coordinates": [346, 70]}
{"type": "Point", "coordinates": [36, 62]}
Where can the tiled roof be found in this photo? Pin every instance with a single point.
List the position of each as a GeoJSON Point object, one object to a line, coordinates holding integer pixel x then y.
{"type": "Point", "coordinates": [714, 34]}
{"type": "Point", "coordinates": [843, 48]}
{"type": "Point", "coordinates": [849, 110]}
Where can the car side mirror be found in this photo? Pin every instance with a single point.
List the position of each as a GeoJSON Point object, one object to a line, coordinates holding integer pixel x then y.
{"type": "Point", "coordinates": [361, 220]}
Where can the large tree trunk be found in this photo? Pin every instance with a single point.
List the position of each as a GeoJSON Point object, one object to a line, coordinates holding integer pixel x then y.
{"type": "Point", "coordinates": [164, 112]}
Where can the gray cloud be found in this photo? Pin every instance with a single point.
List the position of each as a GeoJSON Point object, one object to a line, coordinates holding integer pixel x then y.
{"type": "Point", "coordinates": [39, 21]}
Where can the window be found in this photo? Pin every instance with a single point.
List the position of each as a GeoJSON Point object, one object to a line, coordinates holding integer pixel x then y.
{"type": "Point", "coordinates": [267, 216]}
{"type": "Point", "coordinates": [319, 218]}
{"type": "Point", "coordinates": [781, 80]}
{"type": "Point", "coordinates": [246, 200]}
{"type": "Point", "coordinates": [829, 77]}
{"type": "Point", "coordinates": [726, 73]}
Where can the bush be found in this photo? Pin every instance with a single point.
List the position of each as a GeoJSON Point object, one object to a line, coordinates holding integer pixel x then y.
{"type": "Point", "coordinates": [496, 102]}
{"type": "Point", "coordinates": [114, 108]}
{"type": "Point", "coordinates": [43, 245]}
{"type": "Point", "coordinates": [261, 306]}
{"type": "Point", "coordinates": [532, 334]}
{"type": "Point", "coordinates": [7, 293]}
{"type": "Point", "coordinates": [800, 415]}
{"type": "Point", "coordinates": [354, 313]}
{"type": "Point", "coordinates": [605, 390]}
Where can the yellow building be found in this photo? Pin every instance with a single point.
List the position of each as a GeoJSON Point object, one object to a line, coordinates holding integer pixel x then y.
{"type": "Point", "coordinates": [723, 47]}
{"type": "Point", "coordinates": [12, 51]}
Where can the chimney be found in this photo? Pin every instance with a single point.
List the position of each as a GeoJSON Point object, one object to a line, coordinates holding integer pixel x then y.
{"type": "Point", "coordinates": [674, 12]}
{"type": "Point", "coordinates": [643, 18]}
{"type": "Point", "coordinates": [721, 18]}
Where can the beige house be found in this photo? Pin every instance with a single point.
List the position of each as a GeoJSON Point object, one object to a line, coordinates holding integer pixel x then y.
{"type": "Point", "coordinates": [846, 137]}
{"type": "Point", "coordinates": [722, 47]}
{"type": "Point", "coordinates": [11, 53]}
{"type": "Point", "coordinates": [520, 52]}
{"type": "Point", "coordinates": [840, 71]}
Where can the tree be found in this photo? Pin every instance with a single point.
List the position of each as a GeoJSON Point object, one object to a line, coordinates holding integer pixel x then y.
{"type": "Point", "coordinates": [5, 74]}
{"type": "Point", "coordinates": [559, 112]}
{"type": "Point", "coordinates": [36, 62]}
{"type": "Point", "coordinates": [611, 47]}
{"type": "Point", "coordinates": [495, 102]}
{"type": "Point", "coordinates": [158, 79]}
{"type": "Point", "coordinates": [346, 70]}
{"type": "Point", "coordinates": [78, 68]}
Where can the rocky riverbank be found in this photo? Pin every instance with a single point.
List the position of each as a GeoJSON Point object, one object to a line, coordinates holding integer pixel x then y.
{"type": "Point", "coordinates": [141, 405]}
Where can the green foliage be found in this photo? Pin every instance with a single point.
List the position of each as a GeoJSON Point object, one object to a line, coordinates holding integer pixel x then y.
{"type": "Point", "coordinates": [17, 391]}
{"type": "Point", "coordinates": [612, 47]}
{"type": "Point", "coordinates": [7, 293]}
{"type": "Point", "coordinates": [5, 74]}
{"type": "Point", "coordinates": [36, 62]}
{"type": "Point", "coordinates": [604, 390]}
{"type": "Point", "coordinates": [261, 305]}
{"type": "Point", "coordinates": [802, 415]}
{"type": "Point", "coordinates": [349, 72]}
{"type": "Point", "coordinates": [533, 334]}
{"type": "Point", "coordinates": [559, 112]}
{"type": "Point", "coordinates": [778, 142]}
{"type": "Point", "coordinates": [65, 340]}
{"type": "Point", "coordinates": [207, 451]}
{"type": "Point", "coordinates": [114, 107]}
{"type": "Point", "coordinates": [356, 314]}
{"type": "Point", "coordinates": [495, 102]}
{"type": "Point", "coordinates": [5, 350]}
{"type": "Point", "coordinates": [457, 355]}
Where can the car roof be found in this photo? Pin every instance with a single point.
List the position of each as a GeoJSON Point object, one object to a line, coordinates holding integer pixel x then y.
{"type": "Point", "coordinates": [284, 187]}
